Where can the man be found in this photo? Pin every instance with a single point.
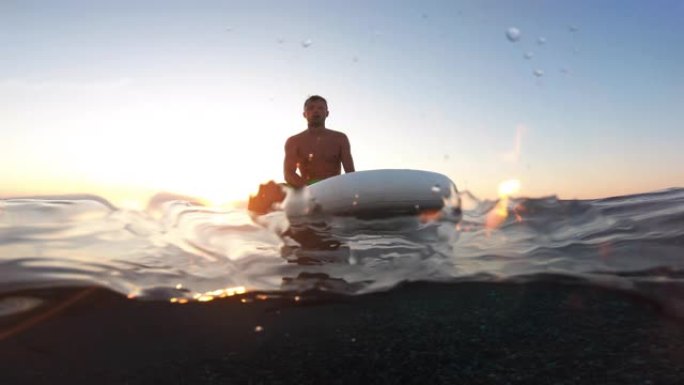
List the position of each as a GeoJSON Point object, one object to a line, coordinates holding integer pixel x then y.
{"type": "Point", "coordinates": [317, 151]}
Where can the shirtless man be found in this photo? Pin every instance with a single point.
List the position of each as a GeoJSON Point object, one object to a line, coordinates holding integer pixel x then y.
{"type": "Point", "coordinates": [317, 151]}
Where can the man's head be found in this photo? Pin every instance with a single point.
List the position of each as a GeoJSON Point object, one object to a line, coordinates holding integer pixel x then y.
{"type": "Point", "coordinates": [316, 111]}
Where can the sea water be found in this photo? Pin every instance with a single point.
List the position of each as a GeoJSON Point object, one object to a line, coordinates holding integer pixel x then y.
{"type": "Point", "coordinates": [180, 251]}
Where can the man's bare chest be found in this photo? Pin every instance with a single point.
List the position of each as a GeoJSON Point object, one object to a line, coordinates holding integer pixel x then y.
{"type": "Point", "coordinates": [319, 148]}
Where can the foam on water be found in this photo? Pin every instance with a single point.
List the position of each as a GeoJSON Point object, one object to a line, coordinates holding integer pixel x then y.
{"type": "Point", "coordinates": [178, 249]}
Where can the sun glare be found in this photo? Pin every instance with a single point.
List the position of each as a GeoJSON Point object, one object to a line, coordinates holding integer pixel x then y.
{"type": "Point", "coordinates": [509, 187]}
{"type": "Point", "coordinates": [499, 213]}
{"type": "Point", "coordinates": [200, 142]}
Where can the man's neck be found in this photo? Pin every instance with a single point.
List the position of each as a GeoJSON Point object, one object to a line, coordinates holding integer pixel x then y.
{"type": "Point", "coordinates": [316, 128]}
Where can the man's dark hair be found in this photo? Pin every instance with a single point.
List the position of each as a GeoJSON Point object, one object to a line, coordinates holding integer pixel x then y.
{"type": "Point", "coordinates": [315, 98]}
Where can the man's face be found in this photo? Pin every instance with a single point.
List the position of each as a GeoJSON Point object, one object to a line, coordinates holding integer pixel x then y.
{"type": "Point", "coordinates": [315, 112]}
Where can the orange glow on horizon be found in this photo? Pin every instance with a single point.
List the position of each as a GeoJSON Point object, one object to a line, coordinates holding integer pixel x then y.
{"type": "Point", "coordinates": [499, 213]}
{"type": "Point", "coordinates": [131, 197]}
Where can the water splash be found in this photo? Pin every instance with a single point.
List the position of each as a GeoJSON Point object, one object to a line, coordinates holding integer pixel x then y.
{"type": "Point", "coordinates": [188, 252]}
{"type": "Point", "coordinates": [513, 34]}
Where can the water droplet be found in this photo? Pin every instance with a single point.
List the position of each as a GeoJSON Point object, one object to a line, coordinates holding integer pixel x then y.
{"type": "Point", "coordinates": [529, 55]}
{"type": "Point", "coordinates": [356, 196]}
{"type": "Point", "coordinates": [424, 15]}
{"type": "Point", "coordinates": [538, 73]}
{"type": "Point", "coordinates": [513, 34]}
{"type": "Point", "coordinates": [229, 29]}
{"type": "Point", "coordinates": [565, 71]}
{"type": "Point", "coordinates": [307, 43]}
{"type": "Point", "coordinates": [573, 28]}
{"type": "Point", "coordinates": [541, 41]}
{"type": "Point", "coordinates": [355, 59]}
{"type": "Point", "coordinates": [281, 41]}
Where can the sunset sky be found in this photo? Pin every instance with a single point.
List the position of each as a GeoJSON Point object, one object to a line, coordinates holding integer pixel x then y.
{"type": "Point", "coordinates": [127, 98]}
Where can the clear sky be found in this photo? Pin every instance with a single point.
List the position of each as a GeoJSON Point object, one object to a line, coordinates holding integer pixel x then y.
{"type": "Point", "coordinates": [126, 98]}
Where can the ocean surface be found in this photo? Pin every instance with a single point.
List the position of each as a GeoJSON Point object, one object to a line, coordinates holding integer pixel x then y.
{"type": "Point", "coordinates": [179, 251]}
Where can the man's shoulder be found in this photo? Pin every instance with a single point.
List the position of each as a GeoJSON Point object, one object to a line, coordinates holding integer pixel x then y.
{"type": "Point", "coordinates": [296, 137]}
{"type": "Point", "coordinates": [338, 134]}
{"type": "Point", "coordinates": [304, 136]}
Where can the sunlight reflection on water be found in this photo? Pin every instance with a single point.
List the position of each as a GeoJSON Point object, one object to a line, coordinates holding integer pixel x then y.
{"type": "Point", "coordinates": [193, 252]}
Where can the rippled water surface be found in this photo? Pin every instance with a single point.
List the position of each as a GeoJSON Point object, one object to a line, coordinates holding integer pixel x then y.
{"type": "Point", "coordinates": [176, 249]}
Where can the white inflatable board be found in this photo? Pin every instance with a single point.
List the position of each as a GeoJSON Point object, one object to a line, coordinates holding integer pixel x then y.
{"type": "Point", "coordinates": [375, 193]}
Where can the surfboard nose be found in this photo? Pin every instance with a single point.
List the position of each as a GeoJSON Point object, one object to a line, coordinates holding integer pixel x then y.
{"type": "Point", "coordinates": [379, 194]}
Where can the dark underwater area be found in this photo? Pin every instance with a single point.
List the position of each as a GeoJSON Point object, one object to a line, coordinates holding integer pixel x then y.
{"type": "Point", "coordinates": [551, 330]}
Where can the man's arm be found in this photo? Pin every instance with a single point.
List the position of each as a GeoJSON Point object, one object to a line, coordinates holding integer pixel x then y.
{"type": "Point", "coordinates": [290, 165]}
{"type": "Point", "coordinates": [347, 160]}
